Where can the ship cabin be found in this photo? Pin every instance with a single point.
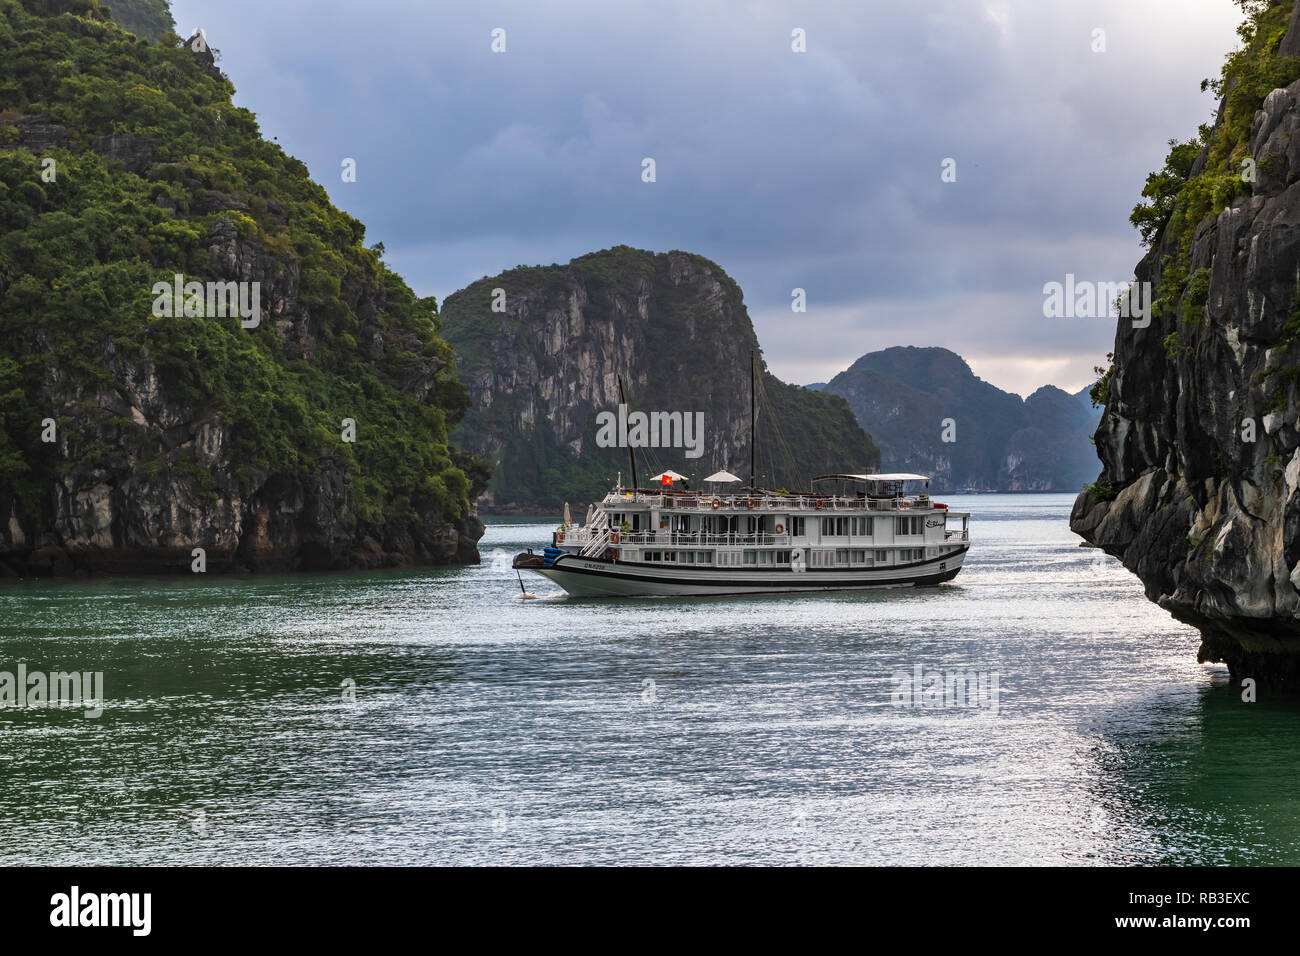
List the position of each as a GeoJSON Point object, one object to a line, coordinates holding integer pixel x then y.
{"type": "Point", "coordinates": [846, 521]}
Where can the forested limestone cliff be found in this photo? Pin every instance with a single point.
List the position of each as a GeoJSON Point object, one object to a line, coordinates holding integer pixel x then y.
{"type": "Point", "coordinates": [129, 438]}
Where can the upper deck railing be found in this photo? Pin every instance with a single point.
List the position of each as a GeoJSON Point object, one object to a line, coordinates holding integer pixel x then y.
{"type": "Point", "coordinates": [595, 541]}
{"type": "Point", "coordinates": [766, 501]}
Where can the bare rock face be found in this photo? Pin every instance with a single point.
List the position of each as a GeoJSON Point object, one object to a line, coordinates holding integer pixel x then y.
{"type": "Point", "coordinates": [135, 152]}
{"type": "Point", "coordinates": [1201, 435]}
{"type": "Point", "coordinates": [673, 326]}
{"type": "Point", "coordinates": [204, 55]}
{"type": "Point", "coordinates": [1290, 45]}
{"type": "Point", "coordinates": [40, 133]}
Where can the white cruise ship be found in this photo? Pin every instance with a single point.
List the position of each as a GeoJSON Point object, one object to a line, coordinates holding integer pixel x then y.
{"type": "Point", "coordinates": [866, 531]}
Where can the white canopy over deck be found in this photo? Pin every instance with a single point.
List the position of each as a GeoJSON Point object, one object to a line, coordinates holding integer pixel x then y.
{"type": "Point", "coordinates": [723, 477]}
{"type": "Point", "coordinates": [895, 476]}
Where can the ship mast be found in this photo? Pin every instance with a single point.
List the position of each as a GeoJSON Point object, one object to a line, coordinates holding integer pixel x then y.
{"type": "Point", "coordinates": [752, 415]}
{"type": "Point", "coordinates": [631, 452]}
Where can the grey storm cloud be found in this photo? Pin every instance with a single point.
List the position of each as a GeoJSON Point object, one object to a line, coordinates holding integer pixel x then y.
{"type": "Point", "coordinates": [817, 170]}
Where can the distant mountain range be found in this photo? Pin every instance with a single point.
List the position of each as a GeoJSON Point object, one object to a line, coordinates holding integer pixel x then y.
{"type": "Point", "coordinates": [541, 351]}
{"type": "Point", "coordinates": [910, 399]}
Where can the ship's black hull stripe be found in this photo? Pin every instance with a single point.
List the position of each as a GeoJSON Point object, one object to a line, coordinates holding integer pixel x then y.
{"type": "Point", "coordinates": [562, 565]}
{"type": "Point", "coordinates": [789, 582]}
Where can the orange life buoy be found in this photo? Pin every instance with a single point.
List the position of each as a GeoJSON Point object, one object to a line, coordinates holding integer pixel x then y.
{"type": "Point", "coordinates": [749, 503]}
{"type": "Point", "coordinates": [559, 537]}
{"type": "Point", "coordinates": [717, 503]}
{"type": "Point", "coordinates": [613, 538]}
{"type": "Point", "coordinates": [780, 529]}
{"type": "Point", "coordinates": [819, 504]}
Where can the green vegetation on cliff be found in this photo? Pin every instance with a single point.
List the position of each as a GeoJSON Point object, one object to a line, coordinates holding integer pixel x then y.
{"type": "Point", "coordinates": [150, 19]}
{"type": "Point", "coordinates": [81, 249]}
{"type": "Point", "coordinates": [1179, 201]}
{"type": "Point", "coordinates": [1202, 176]}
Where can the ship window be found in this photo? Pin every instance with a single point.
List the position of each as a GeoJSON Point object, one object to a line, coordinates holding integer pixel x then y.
{"type": "Point", "coordinates": [857, 556]}
{"type": "Point", "coordinates": [861, 526]}
{"type": "Point", "coordinates": [751, 557]}
{"type": "Point", "coordinates": [909, 526]}
{"type": "Point", "coordinates": [835, 527]}
{"type": "Point", "coordinates": [670, 556]}
{"type": "Point", "coordinates": [766, 557]}
{"type": "Point", "coordinates": [704, 557]}
{"type": "Point", "coordinates": [796, 527]}
{"type": "Point", "coordinates": [783, 557]}
{"type": "Point", "coordinates": [882, 557]}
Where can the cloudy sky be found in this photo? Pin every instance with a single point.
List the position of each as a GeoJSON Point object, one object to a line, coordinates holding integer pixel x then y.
{"type": "Point", "coordinates": [818, 170]}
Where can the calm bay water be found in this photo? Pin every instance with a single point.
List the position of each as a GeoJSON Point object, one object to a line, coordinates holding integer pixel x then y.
{"type": "Point", "coordinates": [488, 728]}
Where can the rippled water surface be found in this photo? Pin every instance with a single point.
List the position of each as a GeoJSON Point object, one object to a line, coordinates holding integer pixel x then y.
{"type": "Point", "coordinates": [488, 728]}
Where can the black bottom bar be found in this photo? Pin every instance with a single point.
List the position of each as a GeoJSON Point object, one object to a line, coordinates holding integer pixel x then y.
{"type": "Point", "coordinates": [329, 906]}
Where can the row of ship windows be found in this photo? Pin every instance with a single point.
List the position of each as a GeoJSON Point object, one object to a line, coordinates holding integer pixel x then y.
{"type": "Point", "coordinates": [798, 527]}
{"type": "Point", "coordinates": [817, 558]}
{"type": "Point", "coordinates": [864, 527]}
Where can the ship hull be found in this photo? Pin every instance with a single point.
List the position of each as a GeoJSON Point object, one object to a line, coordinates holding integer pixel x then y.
{"type": "Point", "coordinates": [598, 577]}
